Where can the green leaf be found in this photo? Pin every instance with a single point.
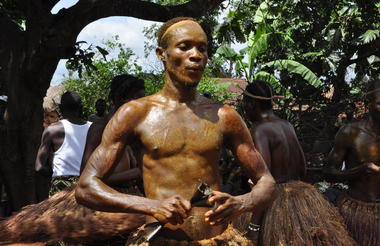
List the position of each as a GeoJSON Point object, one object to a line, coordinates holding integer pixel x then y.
{"type": "Point", "coordinates": [369, 36]}
{"type": "Point", "coordinates": [261, 13]}
{"type": "Point", "coordinates": [355, 91]}
{"type": "Point", "coordinates": [272, 80]}
{"type": "Point", "coordinates": [298, 68]}
{"type": "Point", "coordinates": [257, 48]}
{"type": "Point", "coordinates": [227, 52]}
{"type": "Point", "coordinates": [102, 51]}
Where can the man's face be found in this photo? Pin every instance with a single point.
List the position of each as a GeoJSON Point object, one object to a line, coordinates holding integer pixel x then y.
{"type": "Point", "coordinates": [100, 106]}
{"type": "Point", "coordinates": [186, 55]}
{"type": "Point", "coordinates": [374, 107]}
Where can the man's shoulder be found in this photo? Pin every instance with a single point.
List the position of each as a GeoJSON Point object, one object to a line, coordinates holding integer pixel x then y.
{"type": "Point", "coordinates": [135, 109]}
{"type": "Point", "coordinates": [54, 126]}
{"type": "Point", "coordinates": [54, 130]}
{"type": "Point", "coordinates": [352, 128]}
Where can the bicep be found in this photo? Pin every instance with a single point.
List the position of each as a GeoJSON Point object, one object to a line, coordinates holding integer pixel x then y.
{"type": "Point", "coordinates": [44, 149]}
{"type": "Point", "coordinates": [116, 134]}
{"type": "Point", "coordinates": [339, 150]}
{"type": "Point", "coordinates": [239, 140]}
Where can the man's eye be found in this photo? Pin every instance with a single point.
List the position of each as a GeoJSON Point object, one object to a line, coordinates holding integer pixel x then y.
{"type": "Point", "coordinates": [183, 47]}
{"type": "Point", "coordinates": [202, 49]}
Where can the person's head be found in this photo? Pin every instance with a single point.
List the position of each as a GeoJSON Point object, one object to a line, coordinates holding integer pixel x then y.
{"type": "Point", "coordinates": [182, 47]}
{"type": "Point", "coordinates": [71, 103]}
{"type": "Point", "coordinates": [350, 110]}
{"type": "Point", "coordinates": [257, 98]}
{"type": "Point", "coordinates": [100, 106]}
{"type": "Point", "coordinates": [50, 116]}
{"type": "Point", "coordinates": [373, 96]}
{"type": "Point", "coordinates": [124, 88]}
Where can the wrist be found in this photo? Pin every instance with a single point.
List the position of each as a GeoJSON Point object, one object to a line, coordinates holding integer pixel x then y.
{"type": "Point", "coordinates": [245, 203]}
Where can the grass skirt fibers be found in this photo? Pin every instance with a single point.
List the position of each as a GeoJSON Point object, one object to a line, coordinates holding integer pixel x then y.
{"type": "Point", "coordinates": [230, 237]}
{"type": "Point", "coordinates": [61, 218]}
{"type": "Point", "coordinates": [300, 216]}
{"type": "Point", "coordinates": [362, 219]}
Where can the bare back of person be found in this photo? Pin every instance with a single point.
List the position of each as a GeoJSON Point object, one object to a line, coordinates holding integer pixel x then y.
{"type": "Point", "coordinates": [286, 156]}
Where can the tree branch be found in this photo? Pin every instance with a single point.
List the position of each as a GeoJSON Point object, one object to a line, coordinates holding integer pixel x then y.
{"type": "Point", "coordinates": [49, 4]}
{"type": "Point", "coordinates": [67, 23]}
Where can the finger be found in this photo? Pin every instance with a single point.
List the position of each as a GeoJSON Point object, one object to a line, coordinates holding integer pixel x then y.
{"type": "Point", "coordinates": [161, 217]}
{"type": "Point", "coordinates": [180, 210]}
{"type": "Point", "coordinates": [221, 217]}
{"type": "Point", "coordinates": [185, 204]}
{"type": "Point", "coordinates": [218, 197]}
{"type": "Point", "coordinates": [171, 216]}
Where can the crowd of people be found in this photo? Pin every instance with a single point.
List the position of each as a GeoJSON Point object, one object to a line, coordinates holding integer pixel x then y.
{"type": "Point", "coordinates": [148, 172]}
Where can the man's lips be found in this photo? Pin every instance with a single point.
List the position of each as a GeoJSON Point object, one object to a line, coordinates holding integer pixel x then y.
{"type": "Point", "coordinates": [195, 69]}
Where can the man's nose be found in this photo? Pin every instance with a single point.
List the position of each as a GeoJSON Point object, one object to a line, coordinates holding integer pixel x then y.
{"type": "Point", "coordinates": [196, 55]}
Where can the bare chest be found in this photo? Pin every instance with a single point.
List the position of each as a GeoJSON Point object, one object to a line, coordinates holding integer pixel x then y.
{"type": "Point", "coordinates": [166, 133]}
{"type": "Point", "coordinates": [366, 148]}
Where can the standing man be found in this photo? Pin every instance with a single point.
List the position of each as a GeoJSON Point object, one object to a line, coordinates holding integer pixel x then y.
{"type": "Point", "coordinates": [62, 145]}
{"type": "Point", "coordinates": [290, 219]}
{"type": "Point", "coordinates": [358, 145]}
{"type": "Point", "coordinates": [180, 134]}
{"type": "Point", "coordinates": [100, 106]}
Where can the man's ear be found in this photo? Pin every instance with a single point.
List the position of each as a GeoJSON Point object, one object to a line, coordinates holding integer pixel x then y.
{"type": "Point", "coordinates": [161, 53]}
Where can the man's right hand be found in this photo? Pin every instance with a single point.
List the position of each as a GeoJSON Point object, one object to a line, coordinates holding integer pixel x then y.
{"type": "Point", "coordinates": [172, 210]}
{"type": "Point", "coordinates": [373, 168]}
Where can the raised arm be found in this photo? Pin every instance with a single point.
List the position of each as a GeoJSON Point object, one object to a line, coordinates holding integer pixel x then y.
{"type": "Point", "coordinates": [238, 139]}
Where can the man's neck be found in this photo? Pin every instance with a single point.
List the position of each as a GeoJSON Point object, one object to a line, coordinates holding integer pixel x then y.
{"type": "Point", "coordinates": [265, 115]}
{"type": "Point", "coordinates": [178, 91]}
{"type": "Point", "coordinates": [74, 118]}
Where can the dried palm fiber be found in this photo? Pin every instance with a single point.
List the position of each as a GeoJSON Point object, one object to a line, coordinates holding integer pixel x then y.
{"type": "Point", "coordinates": [362, 219]}
{"type": "Point", "coordinates": [300, 216]}
{"type": "Point", "coordinates": [230, 237]}
{"type": "Point", "coordinates": [61, 218]}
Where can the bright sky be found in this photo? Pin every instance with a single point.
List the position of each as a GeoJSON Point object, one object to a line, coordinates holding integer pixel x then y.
{"type": "Point", "coordinates": [128, 29]}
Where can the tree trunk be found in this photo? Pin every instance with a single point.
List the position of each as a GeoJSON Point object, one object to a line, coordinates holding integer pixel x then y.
{"type": "Point", "coordinates": [28, 59]}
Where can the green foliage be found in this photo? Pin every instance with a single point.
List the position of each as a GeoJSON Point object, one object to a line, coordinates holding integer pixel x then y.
{"type": "Point", "coordinates": [369, 36]}
{"type": "Point", "coordinates": [97, 72]}
{"type": "Point", "coordinates": [219, 91]}
{"type": "Point", "coordinates": [298, 68]}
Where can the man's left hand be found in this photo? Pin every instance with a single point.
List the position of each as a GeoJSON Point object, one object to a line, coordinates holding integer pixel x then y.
{"type": "Point", "coordinates": [226, 208]}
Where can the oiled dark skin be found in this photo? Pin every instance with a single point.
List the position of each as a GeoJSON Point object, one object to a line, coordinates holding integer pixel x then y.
{"type": "Point", "coordinates": [180, 135]}
{"type": "Point", "coordinates": [277, 142]}
{"type": "Point", "coordinates": [358, 145]}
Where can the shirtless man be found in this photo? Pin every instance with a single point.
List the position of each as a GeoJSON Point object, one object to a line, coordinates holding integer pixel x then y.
{"type": "Point", "coordinates": [123, 89]}
{"type": "Point", "coordinates": [358, 145]}
{"type": "Point", "coordinates": [277, 142]}
{"type": "Point", "coordinates": [180, 134]}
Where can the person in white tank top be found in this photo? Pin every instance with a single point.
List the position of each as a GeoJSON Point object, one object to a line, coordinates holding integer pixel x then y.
{"type": "Point", "coordinates": [62, 145]}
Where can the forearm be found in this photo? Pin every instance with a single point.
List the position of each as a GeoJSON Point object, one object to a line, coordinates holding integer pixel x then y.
{"type": "Point", "coordinates": [261, 195]}
{"type": "Point", "coordinates": [124, 176]}
{"type": "Point", "coordinates": [93, 193]}
{"type": "Point", "coordinates": [43, 170]}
